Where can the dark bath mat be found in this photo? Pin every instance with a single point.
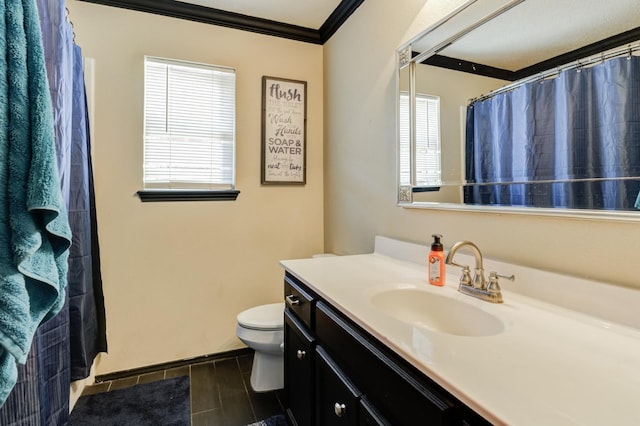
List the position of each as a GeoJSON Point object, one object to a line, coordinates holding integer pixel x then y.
{"type": "Point", "coordinates": [271, 421]}
{"type": "Point", "coordinates": [278, 420]}
{"type": "Point", "coordinates": [165, 402]}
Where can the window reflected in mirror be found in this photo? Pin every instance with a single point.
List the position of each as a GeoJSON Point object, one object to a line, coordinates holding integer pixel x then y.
{"type": "Point", "coordinates": [427, 142]}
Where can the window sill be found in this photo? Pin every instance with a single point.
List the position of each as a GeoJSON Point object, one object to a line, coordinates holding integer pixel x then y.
{"type": "Point", "coordinates": [151, 195]}
{"type": "Point", "coordinates": [425, 189]}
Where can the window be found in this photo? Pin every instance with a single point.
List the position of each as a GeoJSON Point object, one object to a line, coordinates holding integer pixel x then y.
{"type": "Point", "coordinates": [427, 149]}
{"type": "Point", "coordinates": [189, 127]}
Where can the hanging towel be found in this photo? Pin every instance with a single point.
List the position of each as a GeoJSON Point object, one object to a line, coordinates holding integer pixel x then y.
{"type": "Point", "coordinates": [34, 229]}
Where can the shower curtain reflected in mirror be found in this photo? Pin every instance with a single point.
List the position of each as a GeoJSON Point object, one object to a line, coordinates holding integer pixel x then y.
{"type": "Point", "coordinates": [570, 142]}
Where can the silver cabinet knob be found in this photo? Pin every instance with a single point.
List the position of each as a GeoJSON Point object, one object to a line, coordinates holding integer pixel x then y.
{"type": "Point", "coordinates": [292, 300]}
{"type": "Point", "coordinates": [301, 354]}
{"type": "Point", "coordinates": [340, 409]}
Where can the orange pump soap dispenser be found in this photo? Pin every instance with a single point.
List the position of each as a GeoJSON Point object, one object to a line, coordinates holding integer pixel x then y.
{"type": "Point", "coordinates": [436, 261]}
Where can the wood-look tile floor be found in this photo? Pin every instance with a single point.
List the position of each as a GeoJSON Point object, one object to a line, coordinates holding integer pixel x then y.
{"type": "Point", "coordinates": [220, 392]}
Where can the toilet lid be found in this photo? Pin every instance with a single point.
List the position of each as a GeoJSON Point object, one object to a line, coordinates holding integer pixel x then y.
{"type": "Point", "coordinates": [264, 317]}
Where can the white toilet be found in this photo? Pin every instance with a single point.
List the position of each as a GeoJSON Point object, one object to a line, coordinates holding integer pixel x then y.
{"type": "Point", "coordinates": [262, 329]}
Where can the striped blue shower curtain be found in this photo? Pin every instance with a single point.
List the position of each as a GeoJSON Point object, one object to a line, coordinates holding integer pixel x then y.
{"type": "Point", "coordinates": [574, 140]}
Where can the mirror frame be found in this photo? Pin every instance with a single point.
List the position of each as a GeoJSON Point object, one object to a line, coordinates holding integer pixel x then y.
{"type": "Point", "coordinates": [405, 193]}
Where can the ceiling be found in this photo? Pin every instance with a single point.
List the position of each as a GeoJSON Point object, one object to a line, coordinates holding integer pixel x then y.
{"type": "Point", "coordinates": [305, 13]}
{"type": "Point", "coordinates": [534, 35]}
{"type": "Point", "coordinates": [537, 30]}
{"type": "Point", "coordinates": [311, 21]}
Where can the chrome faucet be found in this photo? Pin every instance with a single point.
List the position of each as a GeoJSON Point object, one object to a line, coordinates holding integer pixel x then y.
{"type": "Point", "coordinates": [476, 286]}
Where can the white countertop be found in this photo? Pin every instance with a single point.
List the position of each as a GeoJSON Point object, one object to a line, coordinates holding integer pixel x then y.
{"type": "Point", "coordinates": [551, 366]}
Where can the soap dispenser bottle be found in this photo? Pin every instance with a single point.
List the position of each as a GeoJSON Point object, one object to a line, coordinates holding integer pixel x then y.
{"type": "Point", "coordinates": [436, 261]}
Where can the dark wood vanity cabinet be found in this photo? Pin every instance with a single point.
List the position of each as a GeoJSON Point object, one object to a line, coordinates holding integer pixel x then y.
{"type": "Point", "coordinates": [337, 397]}
{"type": "Point", "coordinates": [299, 355]}
{"type": "Point", "coordinates": [299, 370]}
{"type": "Point", "coordinates": [369, 416]}
{"type": "Point", "coordinates": [347, 377]}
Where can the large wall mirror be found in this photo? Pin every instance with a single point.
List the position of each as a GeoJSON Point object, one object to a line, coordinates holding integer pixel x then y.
{"type": "Point", "coordinates": [526, 106]}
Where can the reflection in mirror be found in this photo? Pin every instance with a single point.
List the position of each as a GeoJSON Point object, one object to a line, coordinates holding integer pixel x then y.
{"type": "Point", "coordinates": [476, 172]}
{"type": "Point", "coordinates": [453, 89]}
{"type": "Point", "coordinates": [404, 120]}
{"type": "Point", "coordinates": [572, 141]}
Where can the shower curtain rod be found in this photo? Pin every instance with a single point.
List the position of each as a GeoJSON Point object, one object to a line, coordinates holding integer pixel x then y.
{"type": "Point", "coordinates": [567, 180]}
{"type": "Point", "coordinates": [554, 72]}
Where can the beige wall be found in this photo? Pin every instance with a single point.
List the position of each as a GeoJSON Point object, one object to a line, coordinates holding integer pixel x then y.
{"type": "Point", "coordinates": [176, 274]}
{"type": "Point", "coordinates": [360, 181]}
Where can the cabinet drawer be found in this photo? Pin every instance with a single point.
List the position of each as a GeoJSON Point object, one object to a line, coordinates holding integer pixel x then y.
{"type": "Point", "coordinates": [298, 371]}
{"type": "Point", "coordinates": [396, 393]}
{"type": "Point", "coordinates": [369, 416]}
{"type": "Point", "coordinates": [299, 300]}
{"type": "Point", "coordinates": [337, 399]}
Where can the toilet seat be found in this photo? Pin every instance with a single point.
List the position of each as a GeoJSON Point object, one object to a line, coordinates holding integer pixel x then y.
{"type": "Point", "coordinates": [265, 317]}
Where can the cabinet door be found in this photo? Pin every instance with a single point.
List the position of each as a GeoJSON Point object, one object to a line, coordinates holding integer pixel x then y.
{"type": "Point", "coordinates": [400, 396]}
{"type": "Point", "coordinates": [369, 416]}
{"type": "Point", "coordinates": [337, 398]}
{"type": "Point", "coordinates": [298, 371]}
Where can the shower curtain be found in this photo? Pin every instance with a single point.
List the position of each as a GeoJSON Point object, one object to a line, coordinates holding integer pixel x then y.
{"type": "Point", "coordinates": [64, 347]}
{"type": "Point", "coordinates": [574, 139]}
{"type": "Point", "coordinates": [86, 300]}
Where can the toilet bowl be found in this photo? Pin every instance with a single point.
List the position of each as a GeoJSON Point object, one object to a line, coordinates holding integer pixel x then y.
{"type": "Point", "coordinates": [262, 329]}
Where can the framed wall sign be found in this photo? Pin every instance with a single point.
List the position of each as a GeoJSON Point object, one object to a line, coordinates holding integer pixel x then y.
{"type": "Point", "coordinates": [284, 131]}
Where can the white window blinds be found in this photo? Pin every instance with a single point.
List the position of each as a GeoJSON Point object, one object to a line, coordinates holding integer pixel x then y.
{"type": "Point", "coordinates": [405, 144]}
{"type": "Point", "coordinates": [189, 125]}
{"type": "Point", "coordinates": [427, 150]}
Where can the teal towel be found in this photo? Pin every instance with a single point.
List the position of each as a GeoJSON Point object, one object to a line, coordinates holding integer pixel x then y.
{"type": "Point", "coordinates": [34, 229]}
{"type": "Point", "coordinates": [638, 201]}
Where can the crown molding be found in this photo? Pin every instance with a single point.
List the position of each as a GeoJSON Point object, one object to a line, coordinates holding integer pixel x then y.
{"type": "Point", "coordinates": [557, 61]}
{"type": "Point", "coordinates": [197, 13]}
{"type": "Point", "coordinates": [337, 18]}
{"type": "Point", "coordinates": [581, 53]}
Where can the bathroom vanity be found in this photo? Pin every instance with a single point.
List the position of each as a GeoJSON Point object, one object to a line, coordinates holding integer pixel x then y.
{"type": "Point", "coordinates": [369, 342]}
{"type": "Point", "coordinates": [337, 373]}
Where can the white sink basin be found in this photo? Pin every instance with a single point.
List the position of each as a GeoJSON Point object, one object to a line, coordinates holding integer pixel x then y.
{"type": "Point", "coordinates": [437, 313]}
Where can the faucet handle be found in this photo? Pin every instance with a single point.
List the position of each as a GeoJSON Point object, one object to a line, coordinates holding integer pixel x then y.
{"type": "Point", "coordinates": [465, 278]}
{"type": "Point", "coordinates": [495, 275]}
{"type": "Point", "coordinates": [493, 287]}
{"type": "Point", "coordinates": [451, 262]}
